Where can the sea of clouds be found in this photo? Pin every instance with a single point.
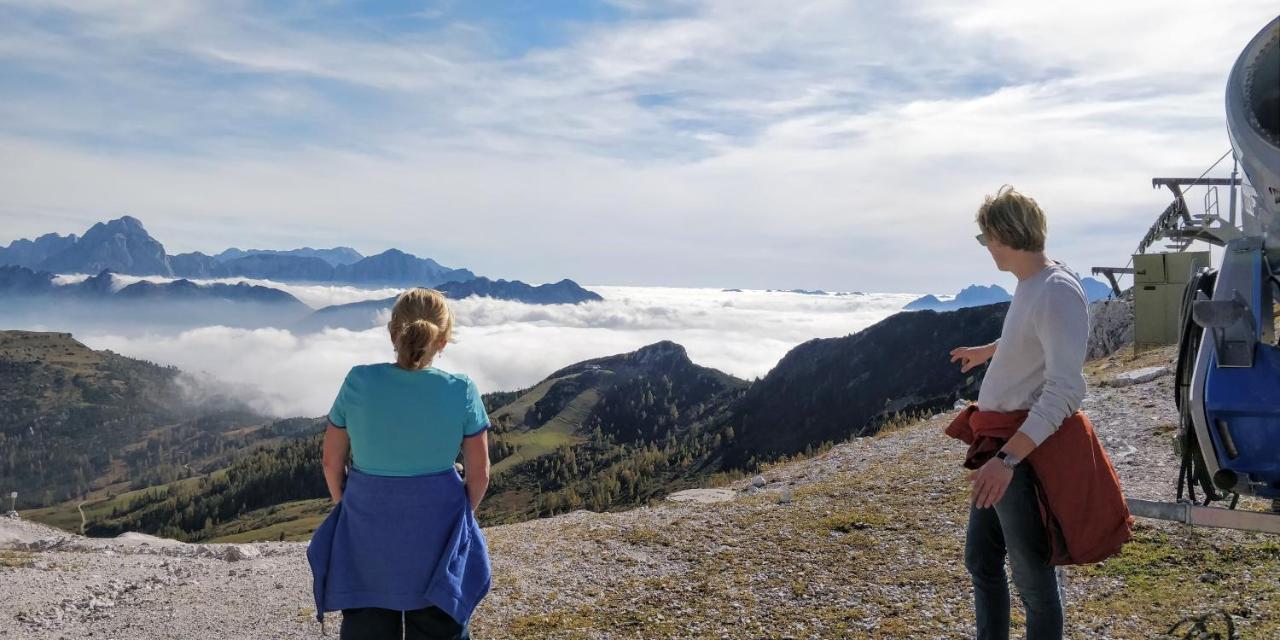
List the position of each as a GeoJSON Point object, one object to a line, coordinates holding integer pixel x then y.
{"type": "Point", "coordinates": [505, 345]}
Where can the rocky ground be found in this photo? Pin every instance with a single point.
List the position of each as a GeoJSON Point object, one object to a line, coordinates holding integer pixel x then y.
{"type": "Point", "coordinates": [862, 541]}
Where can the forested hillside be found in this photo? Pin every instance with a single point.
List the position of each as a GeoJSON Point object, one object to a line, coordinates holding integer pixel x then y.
{"type": "Point", "coordinates": [74, 420]}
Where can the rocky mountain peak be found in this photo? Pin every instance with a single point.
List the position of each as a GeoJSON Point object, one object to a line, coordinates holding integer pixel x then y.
{"type": "Point", "coordinates": [664, 352]}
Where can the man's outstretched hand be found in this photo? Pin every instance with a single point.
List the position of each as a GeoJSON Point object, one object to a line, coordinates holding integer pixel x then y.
{"type": "Point", "coordinates": [970, 357]}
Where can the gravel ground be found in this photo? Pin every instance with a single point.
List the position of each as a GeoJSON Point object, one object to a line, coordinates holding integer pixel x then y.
{"type": "Point", "coordinates": [862, 541]}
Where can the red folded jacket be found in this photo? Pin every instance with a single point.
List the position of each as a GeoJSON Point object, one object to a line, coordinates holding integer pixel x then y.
{"type": "Point", "coordinates": [1084, 510]}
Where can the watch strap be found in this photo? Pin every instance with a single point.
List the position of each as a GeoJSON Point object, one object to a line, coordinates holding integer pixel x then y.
{"type": "Point", "coordinates": [1008, 460]}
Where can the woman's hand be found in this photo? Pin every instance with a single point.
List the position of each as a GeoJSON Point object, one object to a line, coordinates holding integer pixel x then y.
{"type": "Point", "coordinates": [989, 483]}
{"type": "Point", "coordinates": [337, 448]}
{"type": "Point", "coordinates": [970, 357]}
{"type": "Point", "coordinates": [475, 461]}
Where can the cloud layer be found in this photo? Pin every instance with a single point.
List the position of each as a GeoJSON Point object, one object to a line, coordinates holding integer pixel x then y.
{"type": "Point", "coordinates": [509, 345]}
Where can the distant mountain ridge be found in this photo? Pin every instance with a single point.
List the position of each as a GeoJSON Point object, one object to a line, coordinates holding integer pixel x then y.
{"type": "Point", "coordinates": [971, 296]}
{"type": "Point", "coordinates": [335, 256]}
{"type": "Point", "coordinates": [23, 281]}
{"type": "Point", "coordinates": [360, 315]}
{"type": "Point", "coordinates": [978, 295]}
{"type": "Point", "coordinates": [35, 297]}
{"type": "Point", "coordinates": [124, 246]}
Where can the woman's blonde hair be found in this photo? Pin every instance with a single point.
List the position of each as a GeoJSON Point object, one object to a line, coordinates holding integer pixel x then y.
{"type": "Point", "coordinates": [420, 323]}
{"type": "Point", "coordinates": [1014, 219]}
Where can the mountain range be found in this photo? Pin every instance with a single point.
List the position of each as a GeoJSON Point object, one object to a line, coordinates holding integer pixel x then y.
{"type": "Point", "coordinates": [978, 295]}
{"type": "Point", "coordinates": [39, 298]}
{"type": "Point", "coordinates": [971, 296]}
{"type": "Point", "coordinates": [361, 315]}
{"type": "Point", "coordinates": [103, 302]}
{"type": "Point", "coordinates": [124, 246]}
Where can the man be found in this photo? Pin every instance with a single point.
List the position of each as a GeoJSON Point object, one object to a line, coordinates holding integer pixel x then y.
{"type": "Point", "coordinates": [1037, 368]}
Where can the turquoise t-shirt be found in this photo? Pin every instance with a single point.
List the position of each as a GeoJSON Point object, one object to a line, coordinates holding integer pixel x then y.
{"type": "Point", "coordinates": [407, 423]}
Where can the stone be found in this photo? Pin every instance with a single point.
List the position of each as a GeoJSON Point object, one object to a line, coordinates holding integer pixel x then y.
{"type": "Point", "coordinates": [1110, 327]}
{"type": "Point", "coordinates": [758, 482]}
{"type": "Point", "coordinates": [1137, 376]}
{"type": "Point", "coordinates": [238, 552]}
{"type": "Point", "coordinates": [702, 496]}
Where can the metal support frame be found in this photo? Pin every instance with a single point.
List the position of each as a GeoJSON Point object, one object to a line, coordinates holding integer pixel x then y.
{"type": "Point", "coordinates": [1177, 224]}
{"type": "Point", "coordinates": [1111, 273]}
{"type": "Point", "coordinates": [1199, 516]}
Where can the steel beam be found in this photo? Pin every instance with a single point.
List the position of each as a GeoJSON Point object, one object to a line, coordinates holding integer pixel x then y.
{"type": "Point", "coordinates": [1199, 516]}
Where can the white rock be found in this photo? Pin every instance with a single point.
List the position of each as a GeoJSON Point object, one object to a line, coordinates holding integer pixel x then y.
{"type": "Point", "coordinates": [238, 552]}
{"type": "Point", "coordinates": [1138, 376]}
{"type": "Point", "coordinates": [758, 481]}
{"type": "Point", "coordinates": [702, 496]}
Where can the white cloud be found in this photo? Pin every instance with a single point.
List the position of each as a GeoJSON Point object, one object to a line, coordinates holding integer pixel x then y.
{"type": "Point", "coordinates": [508, 345]}
{"type": "Point", "coordinates": [827, 144]}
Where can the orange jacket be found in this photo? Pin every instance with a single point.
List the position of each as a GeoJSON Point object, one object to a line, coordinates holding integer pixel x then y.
{"type": "Point", "coordinates": [1084, 511]}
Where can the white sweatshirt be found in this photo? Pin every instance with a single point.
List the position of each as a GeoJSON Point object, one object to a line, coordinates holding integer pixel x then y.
{"type": "Point", "coordinates": [1039, 361]}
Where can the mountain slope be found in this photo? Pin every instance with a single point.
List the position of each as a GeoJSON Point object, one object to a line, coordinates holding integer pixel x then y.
{"type": "Point", "coordinates": [607, 433]}
{"type": "Point", "coordinates": [828, 390]}
{"type": "Point", "coordinates": [30, 253]}
{"type": "Point", "coordinates": [74, 420]}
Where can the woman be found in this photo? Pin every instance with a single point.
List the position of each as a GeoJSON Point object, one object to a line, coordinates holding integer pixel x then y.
{"type": "Point", "coordinates": [401, 553]}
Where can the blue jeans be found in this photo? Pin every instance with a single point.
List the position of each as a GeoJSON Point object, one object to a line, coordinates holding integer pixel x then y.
{"type": "Point", "coordinates": [1014, 528]}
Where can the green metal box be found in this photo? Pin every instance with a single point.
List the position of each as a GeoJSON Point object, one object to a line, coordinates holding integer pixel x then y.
{"type": "Point", "coordinates": [1148, 268]}
{"type": "Point", "coordinates": [1156, 310]}
{"type": "Point", "coordinates": [1179, 267]}
{"type": "Point", "coordinates": [1149, 327]}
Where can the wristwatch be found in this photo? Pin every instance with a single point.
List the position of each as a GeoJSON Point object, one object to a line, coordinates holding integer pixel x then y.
{"type": "Point", "coordinates": [1008, 460]}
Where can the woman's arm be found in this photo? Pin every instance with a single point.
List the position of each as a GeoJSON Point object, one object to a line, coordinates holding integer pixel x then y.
{"type": "Point", "coordinates": [337, 446]}
{"type": "Point", "coordinates": [475, 461]}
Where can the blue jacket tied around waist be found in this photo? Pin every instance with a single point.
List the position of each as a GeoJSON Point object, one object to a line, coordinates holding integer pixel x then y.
{"type": "Point", "coordinates": [400, 543]}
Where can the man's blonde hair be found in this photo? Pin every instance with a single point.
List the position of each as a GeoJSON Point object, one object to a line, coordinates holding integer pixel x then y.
{"type": "Point", "coordinates": [1014, 219]}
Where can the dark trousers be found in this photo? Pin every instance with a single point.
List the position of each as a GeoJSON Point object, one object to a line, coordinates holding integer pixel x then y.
{"type": "Point", "coordinates": [1013, 528]}
{"type": "Point", "coordinates": [384, 624]}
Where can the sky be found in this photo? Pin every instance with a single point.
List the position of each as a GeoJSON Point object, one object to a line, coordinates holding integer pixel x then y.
{"type": "Point", "coordinates": [685, 143]}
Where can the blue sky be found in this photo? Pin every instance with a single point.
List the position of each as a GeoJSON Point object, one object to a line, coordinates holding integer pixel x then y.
{"type": "Point", "coordinates": [814, 144]}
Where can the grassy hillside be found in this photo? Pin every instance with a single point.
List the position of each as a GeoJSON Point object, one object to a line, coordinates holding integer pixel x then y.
{"type": "Point", "coordinates": [71, 417]}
